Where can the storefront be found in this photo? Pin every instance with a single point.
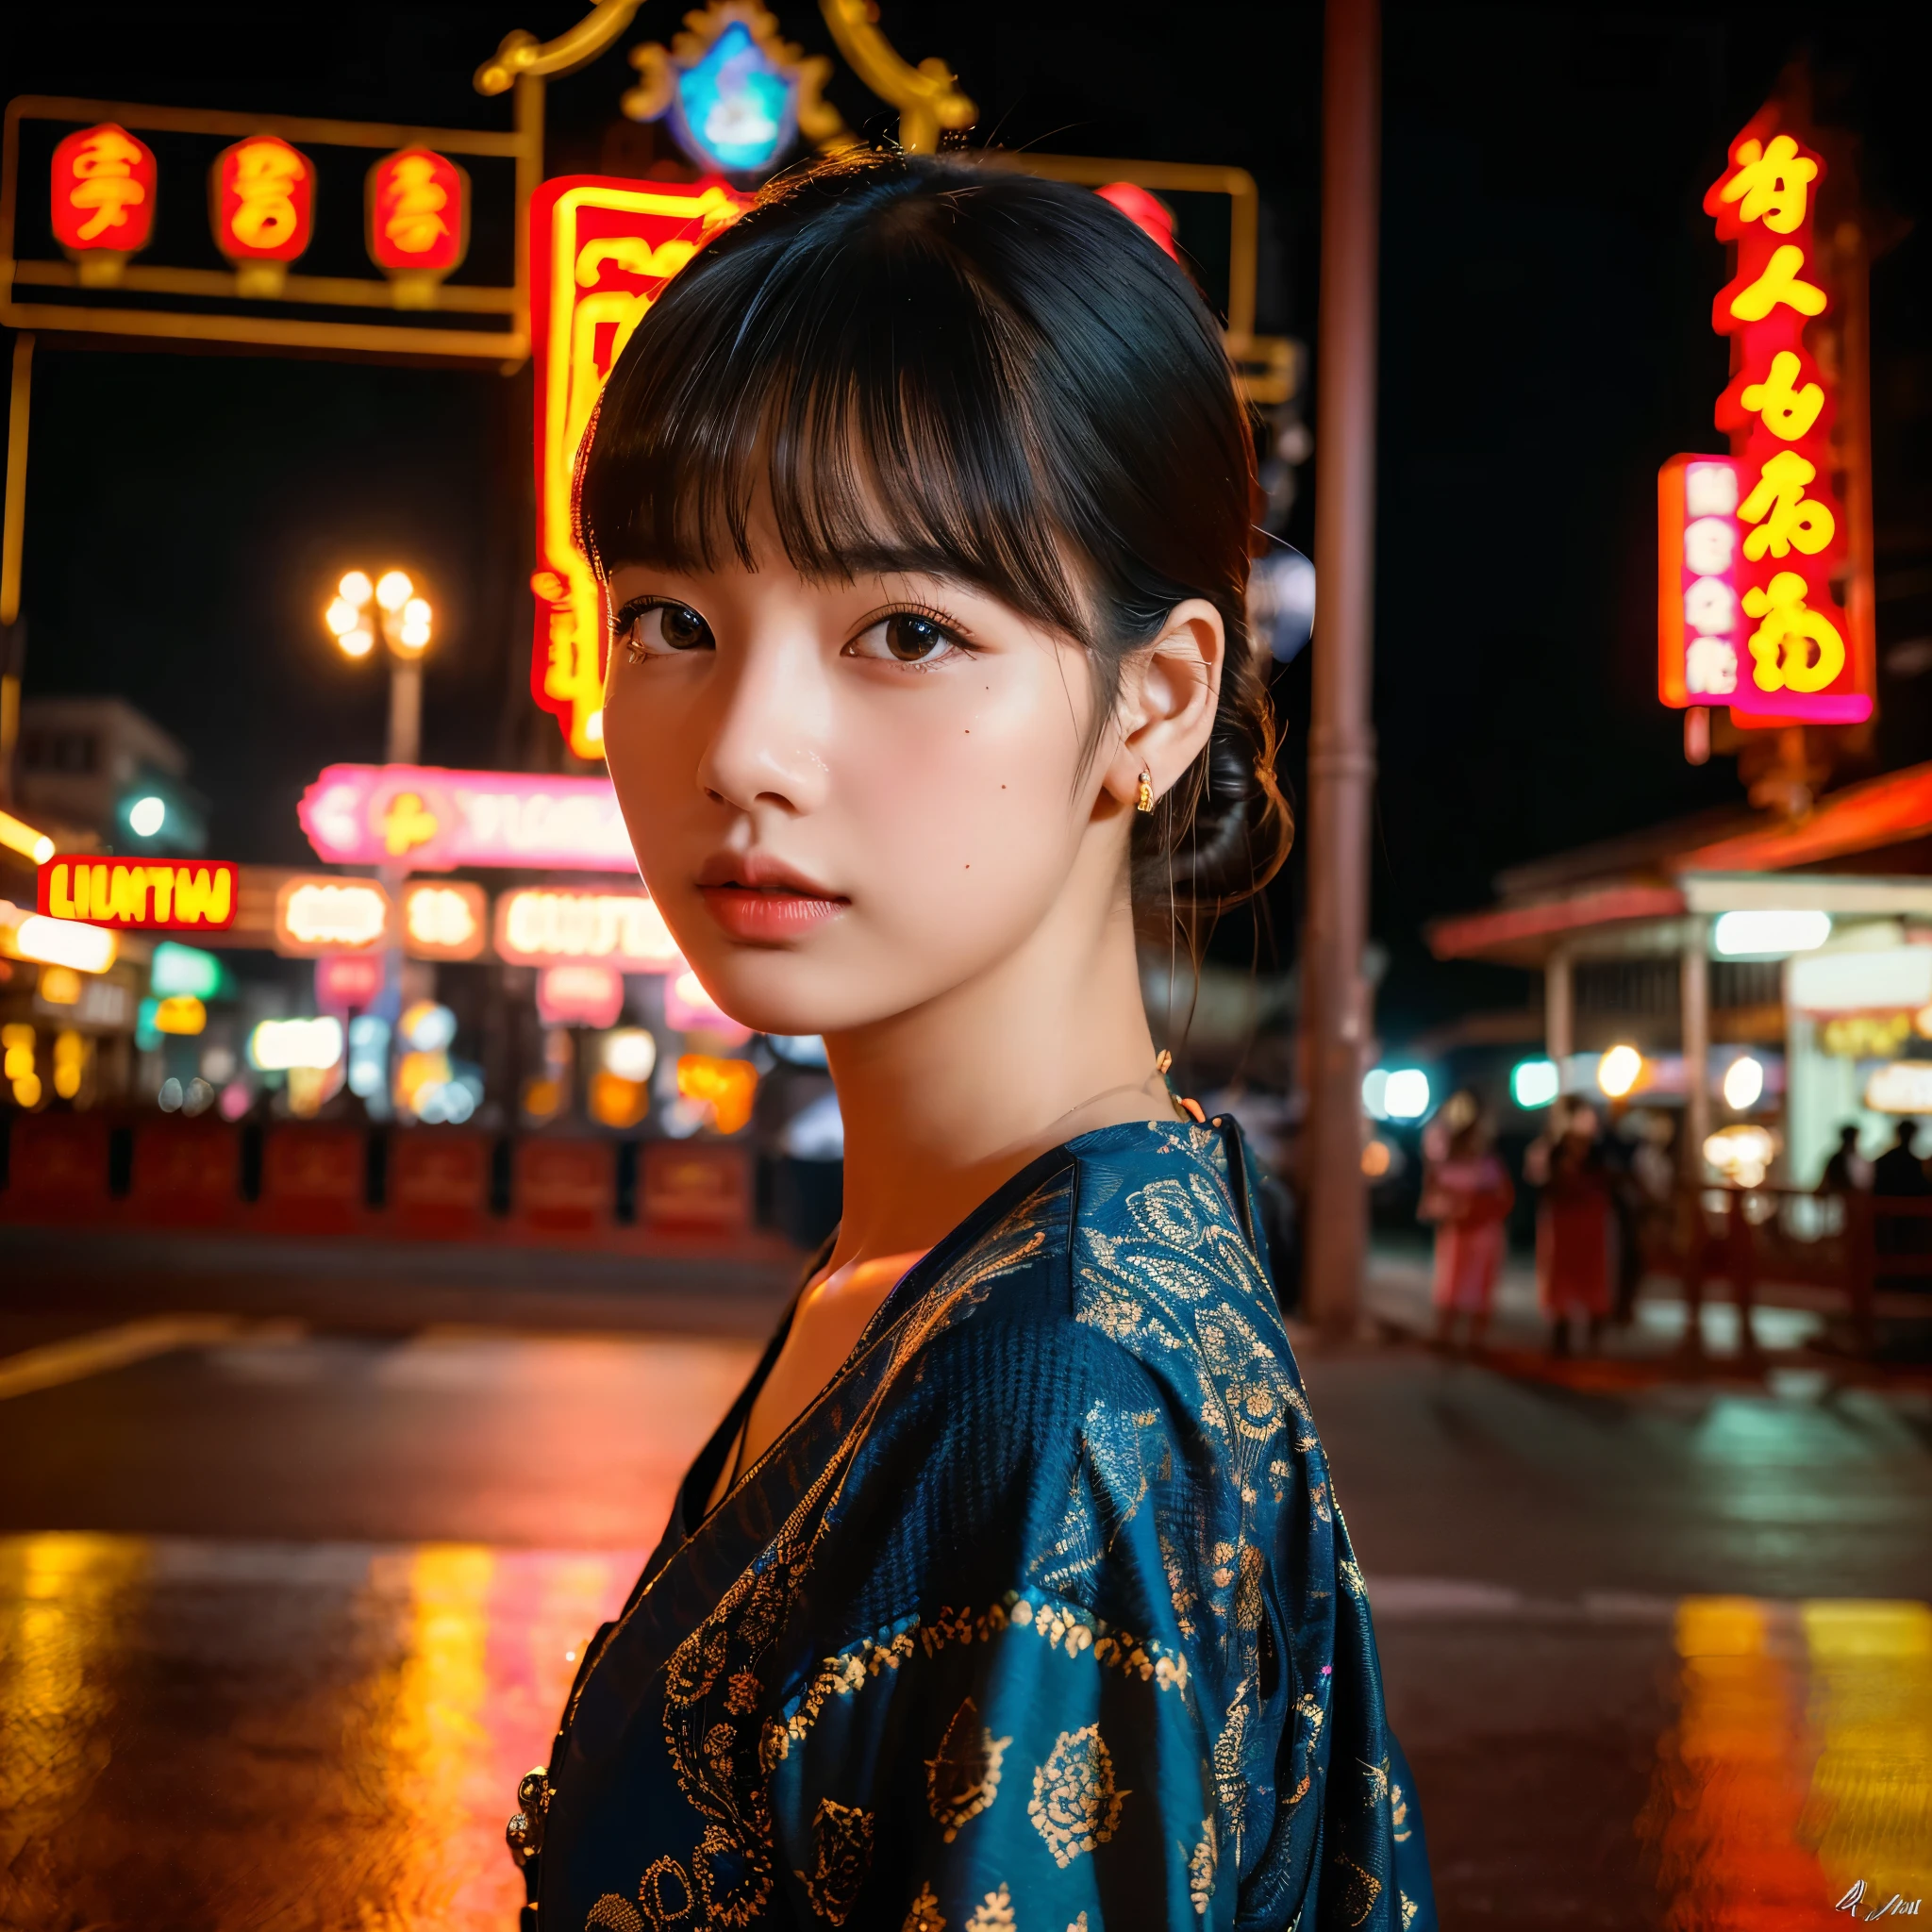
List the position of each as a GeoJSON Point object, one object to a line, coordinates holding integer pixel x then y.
{"type": "Point", "coordinates": [1804, 948]}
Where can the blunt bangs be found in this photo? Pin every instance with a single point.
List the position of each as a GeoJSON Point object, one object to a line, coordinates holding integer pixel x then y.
{"type": "Point", "coordinates": [890, 369]}
{"type": "Point", "coordinates": [928, 365]}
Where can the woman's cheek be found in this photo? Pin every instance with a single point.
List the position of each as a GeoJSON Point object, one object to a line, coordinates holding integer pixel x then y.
{"type": "Point", "coordinates": [970, 824]}
{"type": "Point", "coordinates": [649, 753]}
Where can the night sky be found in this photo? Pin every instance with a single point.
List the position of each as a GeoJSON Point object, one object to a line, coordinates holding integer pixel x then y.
{"type": "Point", "coordinates": [1547, 277]}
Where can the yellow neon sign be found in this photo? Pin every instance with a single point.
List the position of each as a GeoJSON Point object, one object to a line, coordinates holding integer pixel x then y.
{"type": "Point", "coordinates": [601, 252]}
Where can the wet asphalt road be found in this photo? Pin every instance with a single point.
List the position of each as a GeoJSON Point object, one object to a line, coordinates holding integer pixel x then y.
{"type": "Point", "coordinates": [283, 1614]}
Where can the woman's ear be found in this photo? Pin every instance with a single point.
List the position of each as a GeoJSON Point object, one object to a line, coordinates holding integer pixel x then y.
{"type": "Point", "coordinates": [1169, 691]}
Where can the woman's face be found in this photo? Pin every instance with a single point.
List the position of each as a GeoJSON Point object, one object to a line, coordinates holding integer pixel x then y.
{"type": "Point", "coordinates": [849, 798]}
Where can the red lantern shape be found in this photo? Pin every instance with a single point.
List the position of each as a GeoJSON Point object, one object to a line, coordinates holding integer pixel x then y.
{"type": "Point", "coordinates": [263, 209]}
{"type": "Point", "coordinates": [102, 200]}
{"type": "Point", "coordinates": [418, 221]}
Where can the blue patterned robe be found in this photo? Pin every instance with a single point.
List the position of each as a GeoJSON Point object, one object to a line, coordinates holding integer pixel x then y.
{"type": "Point", "coordinates": [1042, 1616]}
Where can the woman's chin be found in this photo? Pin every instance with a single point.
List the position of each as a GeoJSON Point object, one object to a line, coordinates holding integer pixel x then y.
{"type": "Point", "coordinates": [789, 996]}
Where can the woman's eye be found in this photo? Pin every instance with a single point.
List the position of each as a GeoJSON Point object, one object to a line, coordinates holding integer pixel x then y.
{"type": "Point", "coordinates": [905, 638]}
{"type": "Point", "coordinates": [656, 630]}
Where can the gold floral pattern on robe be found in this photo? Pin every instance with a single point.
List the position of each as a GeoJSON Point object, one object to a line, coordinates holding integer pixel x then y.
{"type": "Point", "coordinates": [962, 1777]}
{"type": "Point", "coordinates": [841, 1847]}
{"type": "Point", "coordinates": [1076, 1805]}
{"type": "Point", "coordinates": [1135, 1596]}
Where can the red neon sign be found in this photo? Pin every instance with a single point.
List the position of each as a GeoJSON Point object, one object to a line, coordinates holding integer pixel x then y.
{"type": "Point", "coordinates": [264, 200]}
{"type": "Point", "coordinates": [601, 252]}
{"type": "Point", "coordinates": [103, 192]}
{"type": "Point", "coordinates": [1749, 545]}
{"type": "Point", "coordinates": [418, 213]}
{"type": "Point", "coordinates": [139, 894]}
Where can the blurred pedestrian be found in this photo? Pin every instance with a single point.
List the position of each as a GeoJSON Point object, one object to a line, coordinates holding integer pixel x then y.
{"type": "Point", "coordinates": [1468, 1194]}
{"type": "Point", "coordinates": [1573, 1236]}
{"type": "Point", "coordinates": [1643, 1186]}
{"type": "Point", "coordinates": [1847, 1172]}
{"type": "Point", "coordinates": [1898, 1174]}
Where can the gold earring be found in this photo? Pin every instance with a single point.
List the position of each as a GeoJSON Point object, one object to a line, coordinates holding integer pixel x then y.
{"type": "Point", "coordinates": [1143, 798]}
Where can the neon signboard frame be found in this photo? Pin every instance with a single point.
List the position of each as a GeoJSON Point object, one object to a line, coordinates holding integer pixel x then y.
{"type": "Point", "coordinates": [432, 820]}
{"type": "Point", "coordinates": [1757, 576]}
{"type": "Point", "coordinates": [601, 252]}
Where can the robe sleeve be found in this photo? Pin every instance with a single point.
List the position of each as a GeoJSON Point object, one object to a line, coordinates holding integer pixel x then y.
{"type": "Point", "coordinates": [1022, 1765]}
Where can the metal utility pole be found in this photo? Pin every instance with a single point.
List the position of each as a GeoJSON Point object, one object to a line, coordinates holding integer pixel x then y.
{"type": "Point", "coordinates": [1341, 743]}
{"type": "Point", "coordinates": [12, 636]}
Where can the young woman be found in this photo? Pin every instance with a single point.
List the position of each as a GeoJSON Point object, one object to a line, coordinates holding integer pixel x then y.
{"type": "Point", "coordinates": [1013, 1590]}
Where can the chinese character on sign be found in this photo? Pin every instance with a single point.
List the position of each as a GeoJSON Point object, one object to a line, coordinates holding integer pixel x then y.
{"type": "Point", "coordinates": [102, 199]}
{"type": "Point", "coordinates": [600, 253]}
{"type": "Point", "coordinates": [1748, 614]}
{"type": "Point", "coordinates": [1768, 182]}
{"type": "Point", "coordinates": [1785, 516]}
{"type": "Point", "coordinates": [263, 193]}
{"type": "Point", "coordinates": [1699, 550]}
{"type": "Point", "coordinates": [419, 214]}
{"type": "Point", "coordinates": [1785, 643]}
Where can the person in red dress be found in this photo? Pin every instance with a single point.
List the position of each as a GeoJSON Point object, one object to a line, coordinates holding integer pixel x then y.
{"type": "Point", "coordinates": [1468, 1194]}
{"type": "Point", "coordinates": [1573, 1236]}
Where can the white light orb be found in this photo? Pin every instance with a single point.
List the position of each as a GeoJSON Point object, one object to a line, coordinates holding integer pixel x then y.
{"type": "Point", "coordinates": [1743, 1083]}
{"type": "Point", "coordinates": [1533, 1083]}
{"type": "Point", "coordinates": [1619, 1071]}
{"type": "Point", "coordinates": [630, 1053]}
{"type": "Point", "coordinates": [1406, 1095]}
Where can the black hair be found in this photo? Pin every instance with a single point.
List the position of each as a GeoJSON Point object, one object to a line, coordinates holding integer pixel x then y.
{"type": "Point", "coordinates": [941, 366]}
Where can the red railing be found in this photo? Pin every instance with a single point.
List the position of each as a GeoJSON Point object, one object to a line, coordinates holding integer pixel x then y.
{"type": "Point", "coordinates": [1853, 1246]}
{"type": "Point", "coordinates": [89, 1170]}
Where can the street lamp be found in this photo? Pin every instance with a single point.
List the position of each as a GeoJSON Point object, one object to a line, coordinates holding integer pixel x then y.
{"type": "Point", "coordinates": [361, 611]}
{"type": "Point", "coordinates": [390, 608]}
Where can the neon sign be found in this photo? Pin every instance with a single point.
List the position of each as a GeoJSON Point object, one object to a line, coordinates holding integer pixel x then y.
{"type": "Point", "coordinates": [601, 251]}
{"type": "Point", "coordinates": [418, 218]}
{"type": "Point", "coordinates": [434, 820]}
{"type": "Point", "coordinates": [736, 93]}
{"type": "Point", "coordinates": [442, 919]}
{"type": "Point", "coordinates": [136, 894]}
{"type": "Point", "coordinates": [102, 198]}
{"type": "Point", "coordinates": [577, 994]}
{"type": "Point", "coordinates": [262, 195]}
{"type": "Point", "coordinates": [345, 981]}
{"type": "Point", "coordinates": [1749, 545]}
{"type": "Point", "coordinates": [329, 915]}
{"type": "Point", "coordinates": [537, 926]}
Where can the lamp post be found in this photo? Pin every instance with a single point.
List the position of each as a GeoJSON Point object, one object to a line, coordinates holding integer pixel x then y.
{"type": "Point", "coordinates": [389, 607]}
{"type": "Point", "coordinates": [1336, 1017]}
{"type": "Point", "coordinates": [361, 613]}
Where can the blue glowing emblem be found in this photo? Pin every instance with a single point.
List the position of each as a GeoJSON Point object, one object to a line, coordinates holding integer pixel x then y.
{"type": "Point", "coordinates": [736, 110]}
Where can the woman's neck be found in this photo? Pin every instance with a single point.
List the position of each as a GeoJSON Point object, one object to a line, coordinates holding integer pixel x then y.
{"type": "Point", "coordinates": [944, 1104]}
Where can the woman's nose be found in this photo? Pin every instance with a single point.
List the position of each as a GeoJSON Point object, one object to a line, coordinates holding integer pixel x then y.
{"type": "Point", "coordinates": [765, 742]}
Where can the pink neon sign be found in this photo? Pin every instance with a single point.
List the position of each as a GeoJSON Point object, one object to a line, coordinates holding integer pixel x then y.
{"type": "Point", "coordinates": [430, 819]}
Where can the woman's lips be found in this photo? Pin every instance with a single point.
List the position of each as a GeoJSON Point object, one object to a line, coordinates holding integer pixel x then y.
{"type": "Point", "coordinates": [769, 913]}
